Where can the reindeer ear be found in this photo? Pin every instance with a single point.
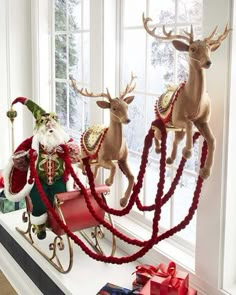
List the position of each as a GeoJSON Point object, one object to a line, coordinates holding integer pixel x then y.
{"type": "Point", "coordinates": [179, 45]}
{"type": "Point", "coordinates": [129, 99]}
{"type": "Point", "coordinates": [214, 47]}
{"type": "Point", "coordinates": [103, 104]}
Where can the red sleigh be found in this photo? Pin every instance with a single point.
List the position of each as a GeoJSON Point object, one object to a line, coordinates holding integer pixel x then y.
{"type": "Point", "coordinates": [73, 211]}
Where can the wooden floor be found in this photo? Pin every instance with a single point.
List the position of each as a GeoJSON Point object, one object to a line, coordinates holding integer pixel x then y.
{"type": "Point", "coordinates": [6, 288]}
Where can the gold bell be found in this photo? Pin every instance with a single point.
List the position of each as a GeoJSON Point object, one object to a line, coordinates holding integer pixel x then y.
{"type": "Point", "coordinates": [11, 114]}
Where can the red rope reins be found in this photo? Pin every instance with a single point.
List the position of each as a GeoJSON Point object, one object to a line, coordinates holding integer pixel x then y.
{"type": "Point", "coordinates": [159, 200]}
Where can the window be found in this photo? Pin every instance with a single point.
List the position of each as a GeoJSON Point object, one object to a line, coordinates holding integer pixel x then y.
{"type": "Point", "coordinates": [71, 37]}
{"type": "Point", "coordinates": [212, 270]}
{"type": "Point", "coordinates": [159, 64]}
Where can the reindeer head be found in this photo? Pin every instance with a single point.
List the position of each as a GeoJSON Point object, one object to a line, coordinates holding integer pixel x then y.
{"type": "Point", "coordinates": [118, 106]}
{"type": "Point", "coordinates": [199, 50]}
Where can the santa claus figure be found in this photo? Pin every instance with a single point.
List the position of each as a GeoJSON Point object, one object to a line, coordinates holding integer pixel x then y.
{"type": "Point", "coordinates": [48, 137]}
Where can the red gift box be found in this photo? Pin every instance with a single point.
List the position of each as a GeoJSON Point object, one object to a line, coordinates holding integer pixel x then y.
{"type": "Point", "coordinates": [167, 281]}
{"type": "Point", "coordinates": [146, 290]}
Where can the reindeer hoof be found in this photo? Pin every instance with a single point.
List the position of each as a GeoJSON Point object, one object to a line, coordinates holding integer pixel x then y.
{"type": "Point", "coordinates": [186, 153]}
{"type": "Point", "coordinates": [108, 182]}
{"type": "Point", "coordinates": [169, 161]}
{"type": "Point", "coordinates": [123, 202]}
{"type": "Point", "coordinates": [157, 150]}
{"type": "Point", "coordinates": [204, 173]}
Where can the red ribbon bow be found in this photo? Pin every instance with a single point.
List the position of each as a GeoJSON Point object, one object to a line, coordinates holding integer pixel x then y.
{"type": "Point", "coordinates": [149, 269]}
{"type": "Point", "coordinates": [169, 273]}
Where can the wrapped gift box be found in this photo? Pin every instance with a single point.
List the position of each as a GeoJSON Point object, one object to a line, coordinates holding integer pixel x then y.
{"type": "Point", "coordinates": [9, 206]}
{"type": "Point", "coordinates": [146, 290]}
{"type": "Point", "coordinates": [167, 281]}
{"type": "Point", "coordinates": [111, 289]}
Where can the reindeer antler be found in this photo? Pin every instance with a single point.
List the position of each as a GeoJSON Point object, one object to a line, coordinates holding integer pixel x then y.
{"type": "Point", "coordinates": [86, 93]}
{"type": "Point", "coordinates": [167, 35]}
{"type": "Point", "coordinates": [209, 39]}
{"type": "Point", "coordinates": [129, 88]}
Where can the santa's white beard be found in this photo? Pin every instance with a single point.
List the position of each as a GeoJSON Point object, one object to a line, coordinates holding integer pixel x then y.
{"type": "Point", "coordinates": [50, 138]}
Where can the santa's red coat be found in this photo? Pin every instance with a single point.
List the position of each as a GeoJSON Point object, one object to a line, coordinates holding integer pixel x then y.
{"type": "Point", "coordinates": [18, 178]}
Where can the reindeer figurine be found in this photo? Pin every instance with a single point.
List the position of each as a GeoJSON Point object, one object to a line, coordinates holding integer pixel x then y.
{"type": "Point", "coordinates": [189, 105]}
{"type": "Point", "coordinates": [108, 144]}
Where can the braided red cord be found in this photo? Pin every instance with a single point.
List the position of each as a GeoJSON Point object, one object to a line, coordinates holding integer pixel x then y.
{"type": "Point", "coordinates": [173, 186]}
{"type": "Point", "coordinates": [79, 242]}
{"type": "Point", "coordinates": [194, 205]}
{"type": "Point", "coordinates": [147, 245]}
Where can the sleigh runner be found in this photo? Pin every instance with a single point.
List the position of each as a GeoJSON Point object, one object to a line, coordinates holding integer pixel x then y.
{"type": "Point", "coordinates": [73, 212]}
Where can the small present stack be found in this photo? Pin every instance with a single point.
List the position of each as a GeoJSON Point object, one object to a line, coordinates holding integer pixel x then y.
{"type": "Point", "coordinates": [162, 280]}
{"type": "Point", "coordinates": [5, 204]}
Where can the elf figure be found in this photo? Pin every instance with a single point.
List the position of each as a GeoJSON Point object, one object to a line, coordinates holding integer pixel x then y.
{"type": "Point", "coordinates": [46, 141]}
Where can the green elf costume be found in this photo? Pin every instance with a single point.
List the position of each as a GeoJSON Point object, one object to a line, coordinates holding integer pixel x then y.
{"type": "Point", "coordinates": [49, 166]}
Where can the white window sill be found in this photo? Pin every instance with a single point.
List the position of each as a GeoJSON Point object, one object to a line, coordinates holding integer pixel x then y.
{"type": "Point", "coordinates": [87, 275]}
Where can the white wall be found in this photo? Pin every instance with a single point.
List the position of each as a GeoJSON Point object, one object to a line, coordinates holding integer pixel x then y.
{"type": "Point", "coordinates": [15, 70]}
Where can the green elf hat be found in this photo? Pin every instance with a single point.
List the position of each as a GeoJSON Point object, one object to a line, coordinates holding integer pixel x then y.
{"type": "Point", "coordinates": [39, 114]}
{"type": "Point", "coordinates": [35, 109]}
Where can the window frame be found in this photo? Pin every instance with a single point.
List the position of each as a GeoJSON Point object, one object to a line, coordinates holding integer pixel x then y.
{"type": "Point", "coordinates": [207, 274]}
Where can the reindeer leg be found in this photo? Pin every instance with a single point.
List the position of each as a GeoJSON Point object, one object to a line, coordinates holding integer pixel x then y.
{"type": "Point", "coordinates": [187, 150]}
{"type": "Point", "coordinates": [126, 170]}
{"type": "Point", "coordinates": [95, 170]}
{"type": "Point", "coordinates": [179, 135]}
{"type": "Point", "coordinates": [81, 166]}
{"type": "Point", "coordinates": [206, 132]}
{"type": "Point", "coordinates": [112, 167]}
{"type": "Point", "coordinates": [157, 138]}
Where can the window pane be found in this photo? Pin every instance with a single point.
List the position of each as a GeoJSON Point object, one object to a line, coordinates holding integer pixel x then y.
{"type": "Point", "coordinates": [86, 11]}
{"type": "Point", "coordinates": [60, 15]}
{"type": "Point", "coordinates": [134, 163]}
{"type": "Point", "coordinates": [130, 18]}
{"type": "Point", "coordinates": [162, 11]}
{"type": "Point", "coordinates": [151, 181]}
{"type": "Point", "coordinates": [134, 56]}
{"type": "Point", "coordinates": [75, 56]}
{"type": "Point", "coordinates": [60, 56]}
{"type": "Point", "coordinates": [182, 202]}
{"type": "Point", "coordinates": [190, 11]}
{"type": "Point", "coordinates": [160, 67]}
{"type": "Point", "coordinates": [75, 111]}
{"type": "Point", "coordinates": [182, 67]}
{"type": "Point", "coordinates": [61, 102]}
{"type": "Point", "coordinates": [86, 59]}
{"type": "Point", "coordinates": [150, 102]}
{"type": "Point", "coordinates": [74, 15]}
{"type": "Point", "coordinates": [135, 130]}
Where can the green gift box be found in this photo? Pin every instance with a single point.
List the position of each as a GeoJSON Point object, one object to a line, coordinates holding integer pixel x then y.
{"type": "Point", "coordinates": [9, 206]}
